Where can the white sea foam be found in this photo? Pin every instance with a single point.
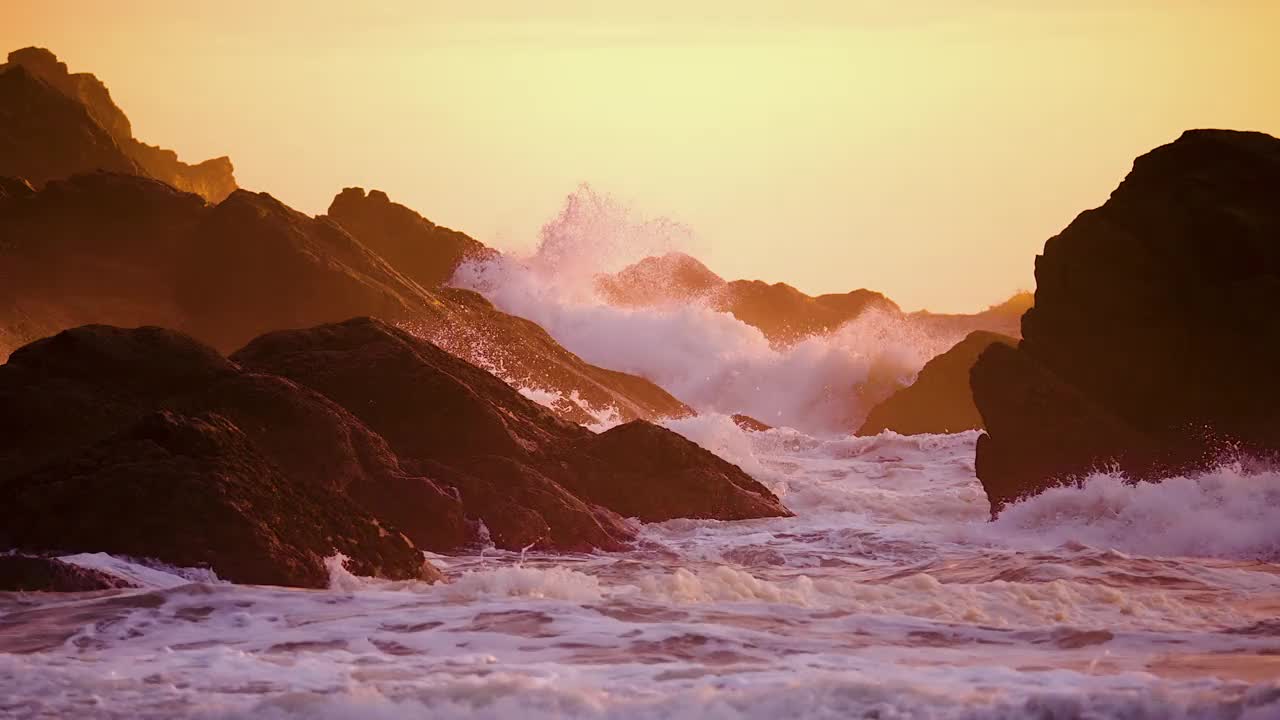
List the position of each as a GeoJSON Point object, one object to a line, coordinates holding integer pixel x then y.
{"type": "Point", "coordinates": [1227, 513]}
{"type": "Point", "coordinates": [707, 358]}
{"type": "Point", "coordinates": [888, 595]}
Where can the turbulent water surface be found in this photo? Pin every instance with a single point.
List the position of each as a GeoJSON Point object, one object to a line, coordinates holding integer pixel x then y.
{"type": "Point", "coordinates": [888, 595]}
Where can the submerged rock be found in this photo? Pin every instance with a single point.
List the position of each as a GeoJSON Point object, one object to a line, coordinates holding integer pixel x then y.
{"type": "Point", "coordinates": [1153, 341]}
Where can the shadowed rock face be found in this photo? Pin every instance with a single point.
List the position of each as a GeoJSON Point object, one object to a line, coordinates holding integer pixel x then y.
{"type": "Point", "coordinates": [45, 135]}
{"type": "Point", "coordinates": [126, 250]}
{"type": "Point", "coordinates": [1153, 341]}
{"type": "Point", "coordinates": [51, 141]}
{"type": "Point", "coordinates": [425, 252]}
{"type": "Point", "coordinates": [355, 438]}
{"type": "Point", "coordinates": [939, 401]}
{"type": "Point", "coordinates": [145, 442]}
{"type": "Point", "coordinates": [447, 418]}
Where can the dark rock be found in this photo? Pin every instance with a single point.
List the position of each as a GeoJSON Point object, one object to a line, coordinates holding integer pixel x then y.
{"type": "Point", "coordinates": [28, 573]}
{"type": "Point", "coordinates": [448, 418]}
{"type": "Point", "coordinates": [425, 252]}
{"type": "Point", "coordinates": [466, 428]}
{"type": "Point", "coordinates": [643, 471]}
{"type": "Point", "coordinates": [45, 135]}
{"type": "Point", "coordinates": [194, 492]}
{"type": "Point", "coordinates": [124, 250]}
{"type": "Point", "coordinates": [939, 401]}
{"type": "Point", "coordinates": [55, 146]}
{"type": "Point", "coordinates": [1154, 314]}
{"type": "Point", "coordinates": [63, 458]}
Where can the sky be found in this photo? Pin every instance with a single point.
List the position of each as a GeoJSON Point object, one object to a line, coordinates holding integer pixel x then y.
{"type": "Point", "coordinates": [923, 149]}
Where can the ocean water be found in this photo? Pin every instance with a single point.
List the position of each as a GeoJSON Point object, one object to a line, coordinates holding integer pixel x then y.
{"type": "Point", "coordinates": [889, 595]}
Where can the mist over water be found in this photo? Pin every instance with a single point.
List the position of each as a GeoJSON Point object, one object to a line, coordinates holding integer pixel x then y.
{"type": "Point", "coordinates": [709, 359]}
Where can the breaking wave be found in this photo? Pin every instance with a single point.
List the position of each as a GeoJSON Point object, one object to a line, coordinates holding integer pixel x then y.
{"type": "Point", "coordinates": [708, 359]}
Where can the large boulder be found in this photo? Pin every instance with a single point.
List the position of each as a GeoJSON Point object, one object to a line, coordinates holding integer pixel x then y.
{"type": "Point", "coordinates": [939, 401]}
{"type": "Point", "coordinates": [647, 472]}
{"type": "Point", "coordinates": [193, 420]}
{"type": "Point", "coordinates": [453, 420]}
{"type": "Point", "coordinates": [195, 492]}
{"type": "Point", "coordinates": [1153, 341]}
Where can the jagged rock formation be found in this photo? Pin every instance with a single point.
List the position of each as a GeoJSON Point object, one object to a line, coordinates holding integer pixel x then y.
{"type": "Point", "coordinates": [939, 401]}
{"type": "Point", "coordinates": [45, 135]}
{"type": "Point", "coordinates": [126, 250]}
{"type": "Point", "coordinates": [425, 252]}
{"type": "Point", "coordinates": [356, 438]}
{"type": "Point", "coordinates": [1153, 342]}
{"type": "Point", "coordinates": [54, 124]}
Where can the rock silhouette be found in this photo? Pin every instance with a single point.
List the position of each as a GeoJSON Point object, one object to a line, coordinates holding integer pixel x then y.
{"type": "Point", "coordinates": [51, 139]}
{"type": "Point", "coordinates": [425, 252]}
{"type": "Point", "coordinates": [784, 314]}
{"type": "Point", "coordinates": [1152, 344]}
{"type": "Point", "coordinates": [939, 401]}
{"type": "Point", "coordinates": [127, 250]}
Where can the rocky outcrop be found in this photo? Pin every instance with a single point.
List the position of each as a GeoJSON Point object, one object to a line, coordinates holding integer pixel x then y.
{"type": "Point", "coordinates": [125, 250]}
{"type": "Point", "coordinates": [29, 573]}
{"type": "Point", "coordinates": [939, 400]}
{"type": "Point", "coordinates": [425, 252]}
{"type": "Point", "coordinates": [144, 442]}
{"type": "Point", "coordinates": [45, 135]}
{"type": "Point", "coordinates": [61, 123]}
{"type": "Point", "coordinates": [1152, 345]}
{"type": "Point", "coordinates": [529, 476]}
{"type": "Point", "coordinates": [643, 471]}
{"type": "Point", "coordinates": [786, 315]}
{"type": "Point", "coordinates": [674, 277]}
{"type": "Point", "coordinates": [783, 313]}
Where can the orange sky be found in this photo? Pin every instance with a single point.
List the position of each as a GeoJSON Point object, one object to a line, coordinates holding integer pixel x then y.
{"type": "Point", "coordinates": [926, 150]}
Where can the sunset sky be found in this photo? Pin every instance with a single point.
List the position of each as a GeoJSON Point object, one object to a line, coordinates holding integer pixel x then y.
{"type": "Point", "coordinates": [924, 149]}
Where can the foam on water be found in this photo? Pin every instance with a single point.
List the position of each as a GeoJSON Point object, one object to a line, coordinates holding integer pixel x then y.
{"type": "Point", "coordinates": [888, 595]}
